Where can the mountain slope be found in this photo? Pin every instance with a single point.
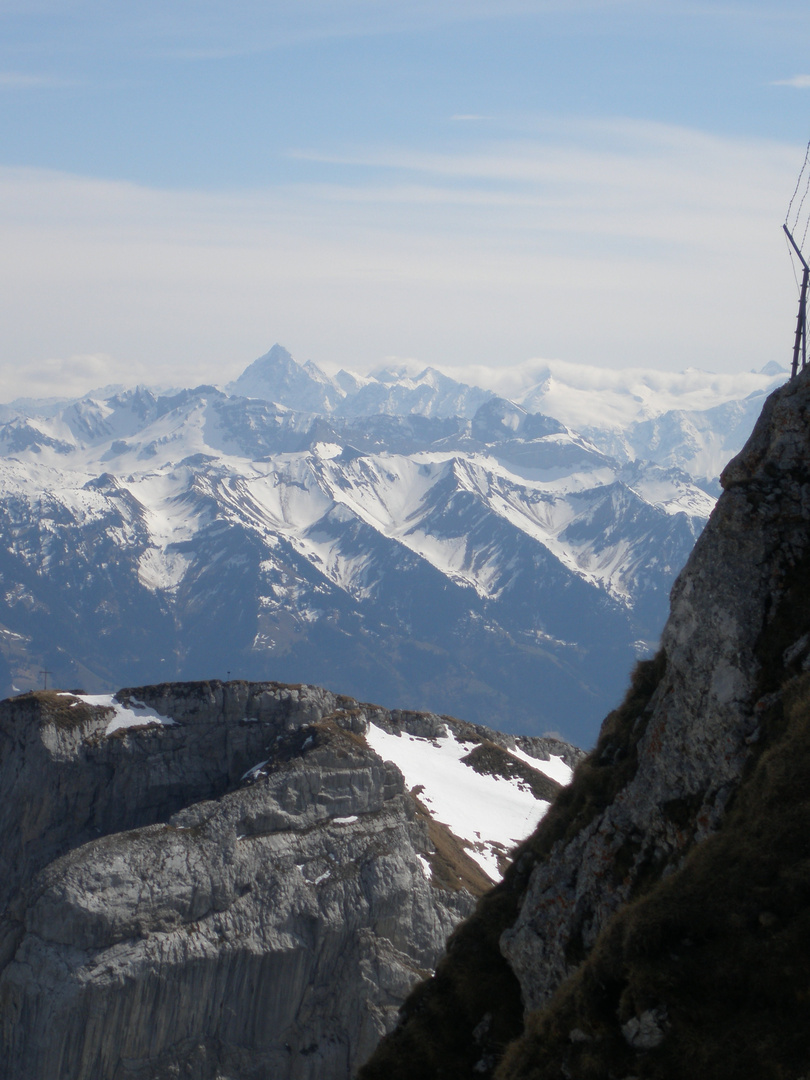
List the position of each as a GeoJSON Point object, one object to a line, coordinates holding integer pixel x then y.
{"type": "Point", "coordinates": [656, 921]}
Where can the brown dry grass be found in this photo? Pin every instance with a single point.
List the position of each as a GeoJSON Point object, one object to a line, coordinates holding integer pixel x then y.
{"type": "Point", "coordinates": [451, 866]}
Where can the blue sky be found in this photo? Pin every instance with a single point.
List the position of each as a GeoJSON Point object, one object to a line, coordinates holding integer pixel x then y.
{"type": "Point", "coordinates": [182, 184]}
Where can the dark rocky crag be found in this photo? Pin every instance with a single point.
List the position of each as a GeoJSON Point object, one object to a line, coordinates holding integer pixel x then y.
{"type": "Point", "coordinates": [658, 922]}
{"type": "Point", "coordinates": [169, 910]}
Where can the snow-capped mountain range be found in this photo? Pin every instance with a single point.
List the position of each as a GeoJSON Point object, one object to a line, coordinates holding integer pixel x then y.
{"type": "Point", "coordinates": [400, 537]}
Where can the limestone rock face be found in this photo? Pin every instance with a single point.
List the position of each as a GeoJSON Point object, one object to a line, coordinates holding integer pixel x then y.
{"type": "Point", "coordinates": [171, 910]}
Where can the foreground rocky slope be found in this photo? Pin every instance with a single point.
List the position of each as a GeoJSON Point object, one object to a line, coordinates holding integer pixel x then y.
{"type": "Point", "coordinates": [223, 880]}
{"type": "Point", "coordinates": [656, 924]}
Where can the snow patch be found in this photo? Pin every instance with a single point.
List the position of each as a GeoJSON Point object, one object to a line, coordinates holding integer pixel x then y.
{"type": "Point", "coordinates": [327, 450]}
{"type": "Point", "coordinates": [555, 768]}
{"type": "Point", "coordinates": [254, 772]}
{"type": "Point", "coordinates": [162, 570]}
{"type": "Point", "coordinates": [136, 714]}
{"type": "Point", "coordinates": [491, 814]}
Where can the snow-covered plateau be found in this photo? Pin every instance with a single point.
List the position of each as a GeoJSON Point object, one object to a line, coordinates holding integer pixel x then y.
{"type": "Point", "coordinates": [401, 537]}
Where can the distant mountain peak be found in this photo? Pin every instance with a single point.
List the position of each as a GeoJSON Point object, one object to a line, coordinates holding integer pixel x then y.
{"type": "Point", "coordinates": [390, 373]}
{"type": "Point", "coordinates": [277, 376]}
{"type": "Point", "coordinates": [773, 368]}
{"type": "Point", "coordinates": [312, 369]}
{"type": "Point", "coordinates": [277, 354]}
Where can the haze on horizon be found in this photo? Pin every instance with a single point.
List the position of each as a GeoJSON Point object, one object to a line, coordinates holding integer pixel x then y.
{"type": "Point", "coordinates": [459, 185]}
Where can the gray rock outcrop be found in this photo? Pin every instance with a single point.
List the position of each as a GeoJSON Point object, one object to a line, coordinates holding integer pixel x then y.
{"type": "Point", "coordinates": [248, 892]}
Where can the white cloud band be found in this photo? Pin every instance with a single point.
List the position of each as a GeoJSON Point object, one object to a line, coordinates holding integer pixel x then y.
{"type": "Point", "coordinates": [616, 244]}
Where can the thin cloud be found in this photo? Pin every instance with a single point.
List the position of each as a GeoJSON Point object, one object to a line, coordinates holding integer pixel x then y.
{"type": "Point", "coordinates": [620, 176]}
{"type": "Point", "coordinates": [672, 236]}
{"type": "Point", "coordinates": [72, 376]}
{"type": "Point", "coordinates": [194, 30]}
{"type": "Point", "coordinates": [799, 82]}
{"type": "Point", "coordinates": [17, 80]}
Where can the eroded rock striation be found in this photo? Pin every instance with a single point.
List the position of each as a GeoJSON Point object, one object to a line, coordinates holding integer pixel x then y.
{"type": "Point", "coordinates": [245, 890]}
{"type": "Point", "coordinates": [670, 882]}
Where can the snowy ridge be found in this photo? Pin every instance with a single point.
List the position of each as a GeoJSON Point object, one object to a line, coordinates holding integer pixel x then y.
{"type": "Point", "coordinates": [403, 498]}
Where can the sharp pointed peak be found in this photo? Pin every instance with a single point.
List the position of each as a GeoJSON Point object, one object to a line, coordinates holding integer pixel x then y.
{"type": "Point", "coordinates": [277, 353]}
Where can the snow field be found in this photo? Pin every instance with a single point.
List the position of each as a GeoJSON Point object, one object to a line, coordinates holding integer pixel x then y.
{"type": "Point", "coordinates": [490, 813]}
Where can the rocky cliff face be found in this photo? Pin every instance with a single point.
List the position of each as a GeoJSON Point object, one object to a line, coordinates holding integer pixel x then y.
{"type": "Point", "coordinates": [670, 883]}
{"type": "Point", "coordinates": [244, 889]}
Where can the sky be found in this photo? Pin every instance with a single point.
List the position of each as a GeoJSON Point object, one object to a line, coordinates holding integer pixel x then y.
{"type": "Point", "coordinates": [447, 183]}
